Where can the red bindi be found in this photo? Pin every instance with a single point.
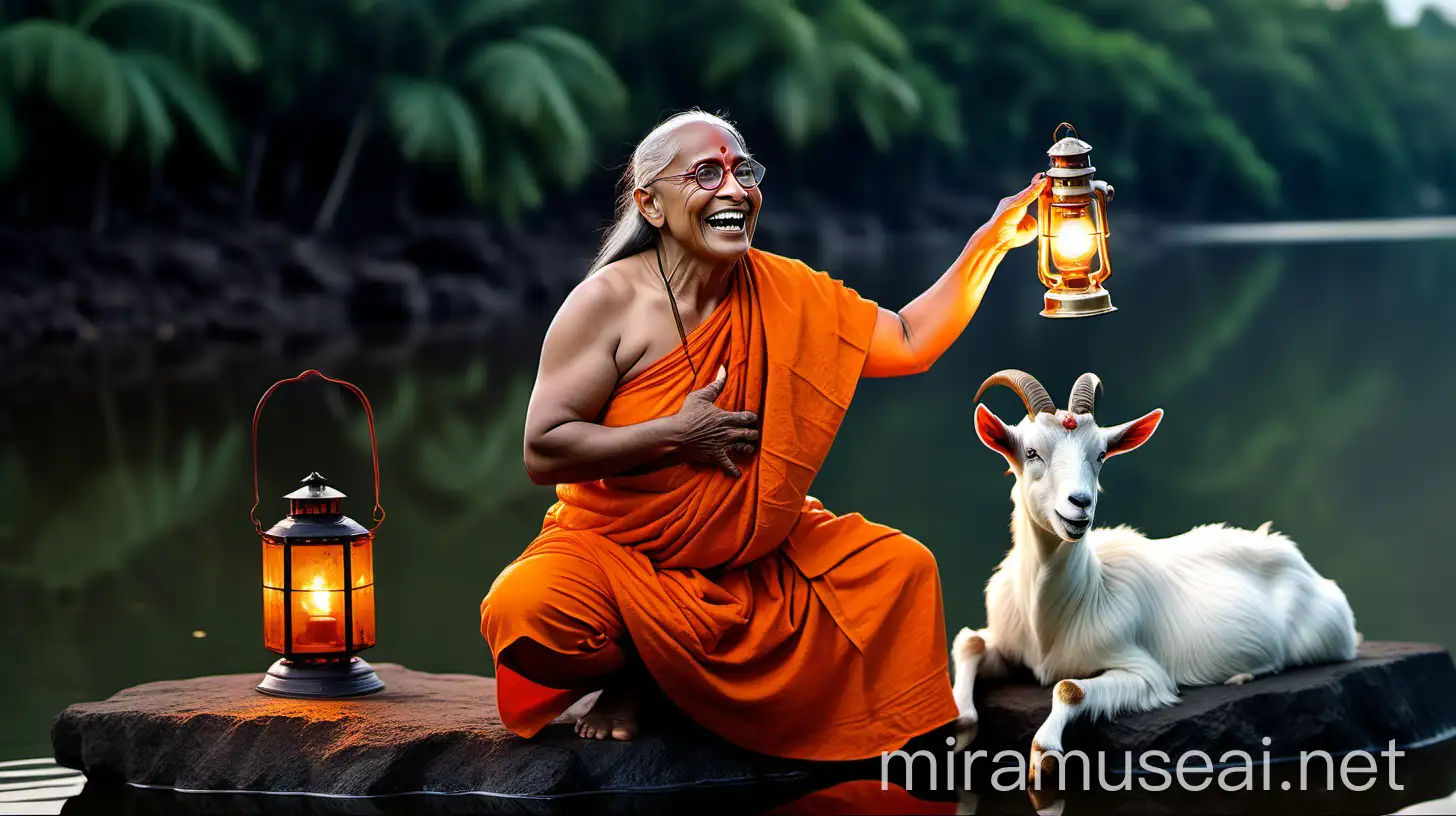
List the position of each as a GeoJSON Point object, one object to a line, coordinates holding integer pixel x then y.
{"type": "Point", "coordinates": [1069, 422]}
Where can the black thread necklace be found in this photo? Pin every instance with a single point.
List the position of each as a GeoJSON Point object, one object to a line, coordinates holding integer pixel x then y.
{"type": "Point", "coordinates": [676, 315]}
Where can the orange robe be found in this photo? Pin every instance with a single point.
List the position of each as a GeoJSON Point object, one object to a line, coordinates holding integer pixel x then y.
{"type": "Point", "coordinates": [778, 625]}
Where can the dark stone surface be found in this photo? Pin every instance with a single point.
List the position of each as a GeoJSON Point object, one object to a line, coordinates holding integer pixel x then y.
{"type": "Point", "coordinates": [441, 732]}
{"type": "Point", "coordinates": [1392, 691]}
{"type": "Point", "coordinates": [425, 732]}
{"type": "Point", "coordinates": [388, 292]}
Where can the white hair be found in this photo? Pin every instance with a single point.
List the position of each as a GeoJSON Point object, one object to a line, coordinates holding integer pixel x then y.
{"type": "Point", "coordinates": [631, 233]}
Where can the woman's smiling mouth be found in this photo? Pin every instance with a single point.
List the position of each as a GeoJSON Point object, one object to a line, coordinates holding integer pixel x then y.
{"type": "Point", "coordinates": [728, 220]}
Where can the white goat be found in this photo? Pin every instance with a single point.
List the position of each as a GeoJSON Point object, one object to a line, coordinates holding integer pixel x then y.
{"type": "Point", "coordinates": [1214, 605]}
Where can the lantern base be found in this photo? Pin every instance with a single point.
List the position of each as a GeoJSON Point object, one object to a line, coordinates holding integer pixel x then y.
{"type": "Point", "coordinates": [1078, 304]}
{"type": "Point", "coordinates": [345, 678]}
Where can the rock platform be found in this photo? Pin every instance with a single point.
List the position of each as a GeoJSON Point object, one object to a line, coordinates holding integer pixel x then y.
{"type": "Point", "coordinates": [441, 733]}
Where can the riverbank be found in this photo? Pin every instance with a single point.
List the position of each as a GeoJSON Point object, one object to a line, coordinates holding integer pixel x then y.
{"type": "Point", "coordinates": [189, 285]}
{"type": "Point", "coordinates": [187, 293]}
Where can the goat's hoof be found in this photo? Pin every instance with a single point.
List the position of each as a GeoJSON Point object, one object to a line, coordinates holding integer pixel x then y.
{"type": "Point", "coordinates": [1238, 679]}
{"type": "Point", "coordinates": [1043, 766]}
{"type": "Point", "coordinates": [966, 729]}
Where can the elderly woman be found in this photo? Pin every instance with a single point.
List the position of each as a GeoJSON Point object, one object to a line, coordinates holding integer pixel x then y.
{"type": "Point", "coordinates": [688, 392]}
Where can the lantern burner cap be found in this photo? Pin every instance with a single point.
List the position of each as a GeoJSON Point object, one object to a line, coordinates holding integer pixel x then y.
{"type": "Point", "coordinates": [1070, 146]}
{"type": "Point", "coordinates": [315, 487]}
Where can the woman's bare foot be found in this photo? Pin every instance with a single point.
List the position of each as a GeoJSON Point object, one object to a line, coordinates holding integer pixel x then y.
{"type": "Point", "coordinates": [613, 715]}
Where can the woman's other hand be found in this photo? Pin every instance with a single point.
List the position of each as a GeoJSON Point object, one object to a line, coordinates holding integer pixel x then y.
{"type": "Point", "coordinates": [1011, 225]}
{"type": "Point", "coordinates": [708, 434]}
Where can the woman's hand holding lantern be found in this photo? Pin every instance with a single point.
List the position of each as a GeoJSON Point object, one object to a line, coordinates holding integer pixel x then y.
{"type": "Point", "coordinates": [1012, 225]}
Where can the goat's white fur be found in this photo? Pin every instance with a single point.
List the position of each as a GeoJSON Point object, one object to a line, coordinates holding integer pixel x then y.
{"type": "Point", "coordinates": [1214, 605]}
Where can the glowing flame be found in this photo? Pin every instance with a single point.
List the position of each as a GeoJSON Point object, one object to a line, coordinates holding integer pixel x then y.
{"type": "Point", "coordinates": [1072, 246]}
{"type": "Point", "coordinates": [318, 602]}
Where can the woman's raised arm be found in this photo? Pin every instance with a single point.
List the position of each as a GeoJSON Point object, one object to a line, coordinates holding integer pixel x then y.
{"type": "Point", "coordinates": [909, 341]}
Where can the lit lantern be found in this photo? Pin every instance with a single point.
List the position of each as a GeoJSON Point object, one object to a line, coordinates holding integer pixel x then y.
{"type": "Point", "coordinates": [1072, 219]}
{"type": "Point", "coordinates": [318, 583]}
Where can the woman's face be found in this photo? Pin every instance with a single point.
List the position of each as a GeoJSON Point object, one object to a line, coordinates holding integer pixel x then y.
{"type": "Point", "coordinates": [713, 225]}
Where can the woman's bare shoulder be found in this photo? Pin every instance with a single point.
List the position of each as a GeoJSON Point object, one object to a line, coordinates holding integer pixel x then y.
{"type": "Point", "coordinates": [612, 287]}
{"type": "Point", "coordinates": [608, 292]}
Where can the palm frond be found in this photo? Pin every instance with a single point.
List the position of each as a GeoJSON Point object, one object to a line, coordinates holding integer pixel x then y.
{"type": "Point", "coordinates": [941, 109]}
{"type": "Point", "coordinates": [197, 105]}
{"type": "Point", "coordinates": [212, 34]}
{"type": "Point", "coordinates": [477, 14]}
{"type": "Point", "coordinates": [520, 86]}
{"type": "Point", "coordinates": [157, 132]}
{"type": "Point", "coordinates": [567, 134]}
{"type": "Point", "coordinates": [739, 50]}
{"type": "Point", "coordinates": [514, 185]}
{"type": "Point", "coordinates": [872, 118]}
{"type": "Point", "coordinates": [791, 31]}
{"type": "Point", "coordinates": [858, 22]}
{"type": "Point", "coordinates": [510, 78]}
{"type": "Point", "coordinates": [434, 123]}
{"type": "Point", "coordinates": [792, 102]}
{"type": "Point", "coordinates": [73, 72]}
{"type": "Point", "coordinates": [869, 75]}
{"type": "Point", "coordinates": [593, 83]}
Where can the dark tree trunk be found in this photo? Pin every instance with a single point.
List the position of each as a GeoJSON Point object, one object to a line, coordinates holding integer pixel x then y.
{"type": "Point", "coordinates": [256, 153]}
{"type": "Point", "coordinates": [345, 171]}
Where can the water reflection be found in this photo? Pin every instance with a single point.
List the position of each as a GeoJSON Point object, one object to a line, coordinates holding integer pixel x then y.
{"type": "Point", "coordinates": [1421, 781]}
{"type": "Point", "coordinates": [1285, 372]}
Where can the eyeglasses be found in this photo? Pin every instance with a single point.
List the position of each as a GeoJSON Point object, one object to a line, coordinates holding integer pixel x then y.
{"type": "Point", "coordinates": [710, 175]}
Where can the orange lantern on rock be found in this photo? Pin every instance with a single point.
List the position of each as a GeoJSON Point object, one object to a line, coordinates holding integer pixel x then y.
{"type": "Point", "coordinates": [318, 582]}
{"type": "Point", "coordinates": [1072, 220]}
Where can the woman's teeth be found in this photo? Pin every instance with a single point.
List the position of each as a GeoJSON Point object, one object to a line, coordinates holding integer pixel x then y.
{"type": "Point", "coordinates": [728, 220]}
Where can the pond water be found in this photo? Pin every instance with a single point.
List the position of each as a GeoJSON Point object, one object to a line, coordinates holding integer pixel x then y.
{"type": "Point", "coordinates": [1305, 385]}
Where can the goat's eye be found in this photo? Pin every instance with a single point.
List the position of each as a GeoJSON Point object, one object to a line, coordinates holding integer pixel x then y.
{"type": "Point", "coordinates": [1031, 454]}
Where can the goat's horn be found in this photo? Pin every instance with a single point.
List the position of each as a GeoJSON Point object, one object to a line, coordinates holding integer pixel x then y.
{"type": "Point", "coordinates": [1084, 394]}
{"type": "Point", "coordinates": [1033, 396]}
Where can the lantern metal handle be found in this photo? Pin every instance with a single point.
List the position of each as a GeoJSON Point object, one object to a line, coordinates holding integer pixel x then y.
{"type": "Point", "coordinates": [1068, 126]}
{"type": "Point", "coordinates": [378, 513]}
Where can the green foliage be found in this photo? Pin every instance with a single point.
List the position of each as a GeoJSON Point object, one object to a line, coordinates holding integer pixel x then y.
{"type": "Point", "coordinates": [815, 59]}
{"type": "Point", "coordinates": [74, 72]}
{"type": "Point", "coordinates": [482, 89]}
{"type": "Point", "coordinates": [102, 75]}
{"type": "Point", "coordinates": [182, 99]}
{"type": "Point", "coordinates": [433, 122]}
{"type": "Point", "coordinates": [195, 29]}
{"type": "Point", "coordinates": [1247, 107]}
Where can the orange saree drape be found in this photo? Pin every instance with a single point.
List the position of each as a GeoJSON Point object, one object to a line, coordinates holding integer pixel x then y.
{"type": "Point", "coordinates": [773, 622]}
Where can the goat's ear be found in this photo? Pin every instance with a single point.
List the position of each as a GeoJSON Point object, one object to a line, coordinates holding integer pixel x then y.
{"type": "Point", "coordinates": [994, 433]}
{"type": "Point", "coordinates": [1131, 435]}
